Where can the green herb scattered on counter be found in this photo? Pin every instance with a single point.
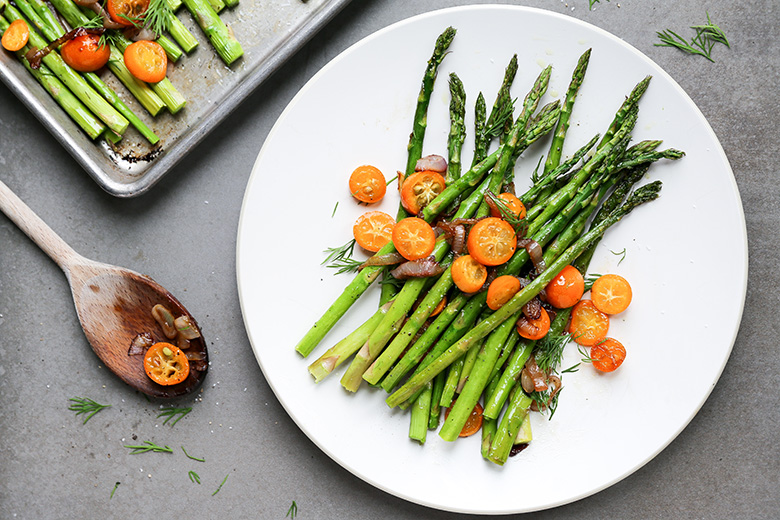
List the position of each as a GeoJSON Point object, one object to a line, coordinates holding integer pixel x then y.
{"type": "Point", "coordinates": [220, 486]}
{"type": "Point", "coordinates": [148, 446]}
{"type": "Point", "coordinates": [334, 210]}
{"type": "Point", "coordinates": [113, 491]}
{"type": "Point", "coordinates": [86, 405]}
{"type": "Point", "coordinates": [707, 35]}
{"type": "Point", "coordinates": [292, 511]}
{"type": "Point", "coordinates": [194, 477]}
{"type": "Point", "coordinates": [172, 412]}
{"type": "Point", "coordinates": [591, 3]}
{"type": "Point", "coordinates": [191, 457]}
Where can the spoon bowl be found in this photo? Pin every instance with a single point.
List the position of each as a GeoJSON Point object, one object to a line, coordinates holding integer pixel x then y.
{"type": "Point", "coordinates": [114, 305]}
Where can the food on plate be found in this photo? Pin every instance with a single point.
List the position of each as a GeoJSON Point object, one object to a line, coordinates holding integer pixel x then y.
{"type": "Point", "coordinates": [588, 324]}
{"type": "Point", "coordinates": [468, 275]}
{"type": "Point", "coordinates": [501, 290]}
{"type": "Point", "coordinates": [367, 184]}
{"type": "Point", "coordinates": [611, 294]}
{"type": "Point", "coordinates": [413, 238]}
{"type": "Point", "coordinates": [512, 267]}
{"type": "Point", "coordinates": [420, 188]}
{"type": "Point", "coordinates": [512, 203]}
{"type": "Point", "coordinates": [492, 241]}
{"type": "Point", "coordinates": [534, 328]}
{"type": "Point", "coordinates": [566, 289]}
{"type": "Point", "coordinates": [607, 355]}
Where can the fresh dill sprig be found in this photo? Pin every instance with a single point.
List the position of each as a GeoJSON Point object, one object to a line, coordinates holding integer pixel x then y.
{"type": "Point", "coordinates": [500, 116]}
{"type": "Point", "coordinates": [113, 491]}
{"type": "Point", "coordinates": [107, 37]}
{"type": "Point", "coordinates": [148, 446]}
{"type": "Point", "coordinates": [222, 484]}
{"type": "Point", "coordinates": [585, 356]}
{"type": "Point", "coordinates": [549, 352]}
{"type": "Point", "coordinates": [707, 35]}
{"type": "Point", "coordinates": [292, 511]}
{"type": "Point", "coordinates": [194, 477]}
{"type": "Point", "coordinates": [172, 412]}
{"type": "Point", "coordinates": [341, 258]}
{"type": "Point", "coordinates": [191, 457]}
{"type": "Point", "coordinates": [85, 405]}
{"type": "Point", "coordinates": [544, 403]}
{"type": "Point", "coordinates": [157, 16]}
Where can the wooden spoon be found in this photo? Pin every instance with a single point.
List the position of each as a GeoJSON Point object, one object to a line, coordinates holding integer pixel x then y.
{"type": "Point", "coordinates": [113, 304]}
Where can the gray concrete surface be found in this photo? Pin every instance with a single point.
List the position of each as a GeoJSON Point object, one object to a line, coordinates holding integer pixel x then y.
{"type": "Point", "coordinates": [725, 464]}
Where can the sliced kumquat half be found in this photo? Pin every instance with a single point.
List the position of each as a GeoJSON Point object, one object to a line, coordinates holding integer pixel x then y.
{"type": "Point", "coordinates": [473, 423]}
{"type": "Point", "coordinates": [440, 307]}
{"type": "Point", "coordinates": [16, 36]}
{"type": "Point", "coordinates": [419, 189]}
{"type": "Point", "coordinates": [611, 294]}
{"type": "Point", "coordinates": [566, 289]}
{"type": "Point", "coordinates": [84, 53]}
{"type": "Point", "coordinates": [468, 275]}
{"type": "Point", "coordinates": [127, 12]}
{"type": "Point", "coordinates": [588, 325]}
{"type": "Point", "coordinates": [367, 184]}
{"type": "Point", "coordinates": [414, 238]}
{"type": "Point", "coordinates": [146, 60]}
{"type": "Point", "coordinates": [373, 230]}
{"type": "Point", "coordinates": [534, 329]}
{"type": "Point", "coordinates": [166, 364]}
{"type": "Point", "coordinates": [501, 290]}
{"type": "Point", "coordinates": [492, 241]}
{"type": "Point", "coordinates": [512, 203]}
{"type": "Point", "coordinates": [607, 355]}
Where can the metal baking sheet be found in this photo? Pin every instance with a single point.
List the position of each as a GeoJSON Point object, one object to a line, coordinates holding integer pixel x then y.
{"type": "Point", "coordinates": [269, 32]}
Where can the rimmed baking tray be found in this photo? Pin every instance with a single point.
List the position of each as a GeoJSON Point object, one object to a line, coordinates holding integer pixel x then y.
{"type": "Point", "coordinates": [269, 32]}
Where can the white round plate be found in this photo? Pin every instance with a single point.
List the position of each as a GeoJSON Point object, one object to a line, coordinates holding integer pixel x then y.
{"type": "Point", "coordinates": [358, 110]}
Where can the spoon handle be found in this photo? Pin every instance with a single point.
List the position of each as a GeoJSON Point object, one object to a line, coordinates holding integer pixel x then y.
{"type": "Point", "coordinates": [35, 228]}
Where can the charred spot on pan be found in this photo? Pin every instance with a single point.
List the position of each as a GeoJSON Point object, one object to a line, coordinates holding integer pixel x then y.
{"type": "Point", "coordinates": [149, 156]}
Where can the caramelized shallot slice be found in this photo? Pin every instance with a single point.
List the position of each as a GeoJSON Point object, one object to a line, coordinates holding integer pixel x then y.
{"type": "Point", "coordinates": [434, 163]}
{"type": "Point", "coordinates": [456, 235]}
{"type": "Point", "coordinates": [388, 259]}
{"type": "Point", "coordinates": [534, 252]}
{"type": "Point", "coordinates": [35, 55]}
{"type": "Point", "coordinates": [164, 317]}
{"type": "Point", "coordinates": [533, 378]}
{"type": "Point", "coordinates": [197, 360]}
{"type": "Point", "coordinates": [186, 328]}
{"type": "Point", "coordinates": [140, 343]}
{"type": "Point", "coordinates": [533, 309]}
{"type": "Point", "coordinates": [422, 268]}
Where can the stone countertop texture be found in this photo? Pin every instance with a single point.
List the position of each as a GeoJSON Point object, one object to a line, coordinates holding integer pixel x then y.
{"type": "Point", "coordinates": [724, 465]}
